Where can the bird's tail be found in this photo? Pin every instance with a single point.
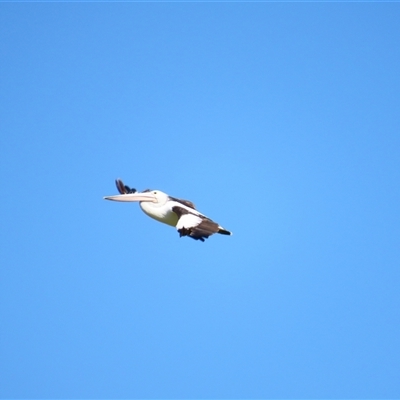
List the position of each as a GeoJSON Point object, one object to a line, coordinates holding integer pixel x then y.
{"type": "Point", "coordinates": [223, 231]}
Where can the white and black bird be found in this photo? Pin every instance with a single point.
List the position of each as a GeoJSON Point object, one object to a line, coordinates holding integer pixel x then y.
{"type": "Point", "coordinates": [171, 211]}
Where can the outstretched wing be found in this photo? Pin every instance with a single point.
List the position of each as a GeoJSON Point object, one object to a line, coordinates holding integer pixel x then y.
{"type": "Point", "coordinates": [195, 226]}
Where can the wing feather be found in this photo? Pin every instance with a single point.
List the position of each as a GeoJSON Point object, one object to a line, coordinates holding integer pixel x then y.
{"type": "Point", "coordinates": [187, 203]}
{"type": "Point", "coordinates": [124, 189]}
{"type": "Point", "coordinates": [195, 226]}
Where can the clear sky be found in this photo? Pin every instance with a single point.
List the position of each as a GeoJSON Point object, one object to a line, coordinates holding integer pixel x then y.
{"type": "Point", "coordinates": [281, 121]}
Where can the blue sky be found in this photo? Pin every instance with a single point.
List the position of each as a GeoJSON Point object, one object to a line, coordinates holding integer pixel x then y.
{"type": "Point", "coordinates": [279, 120]}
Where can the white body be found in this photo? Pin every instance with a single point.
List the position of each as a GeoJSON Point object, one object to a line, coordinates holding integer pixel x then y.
{"type": "Point", "coordinates": [163, 212]}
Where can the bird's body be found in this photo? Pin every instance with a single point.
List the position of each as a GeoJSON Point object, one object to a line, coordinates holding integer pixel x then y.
{"type": "Point", "coordinates": [169, 210]}
{"type": "Point", "coordinates": [163, 213]}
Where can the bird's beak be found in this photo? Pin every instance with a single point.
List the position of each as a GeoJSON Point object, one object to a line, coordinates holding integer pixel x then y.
{"type": "Point", "coordinates": [129, 197]}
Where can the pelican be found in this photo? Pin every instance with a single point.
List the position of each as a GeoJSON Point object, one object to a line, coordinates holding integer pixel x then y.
{"type": "Point", "coordinates": [171, 211]}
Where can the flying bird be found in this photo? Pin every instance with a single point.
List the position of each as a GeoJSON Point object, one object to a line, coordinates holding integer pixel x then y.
{"type": "Point", "coordinates": [171, 211]}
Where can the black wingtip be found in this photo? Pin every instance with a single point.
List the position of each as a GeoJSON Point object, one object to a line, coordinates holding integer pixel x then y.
{"type": "Point", "coordinates": [120, 186]}
{"type": "Point", "coordinates": [124, 189]}
{"type": "Point", "coordinates": [224, 232]}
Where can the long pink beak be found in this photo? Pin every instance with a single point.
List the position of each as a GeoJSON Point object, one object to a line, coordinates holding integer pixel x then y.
{"type": "Point", "coordinates": [130, 197]}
